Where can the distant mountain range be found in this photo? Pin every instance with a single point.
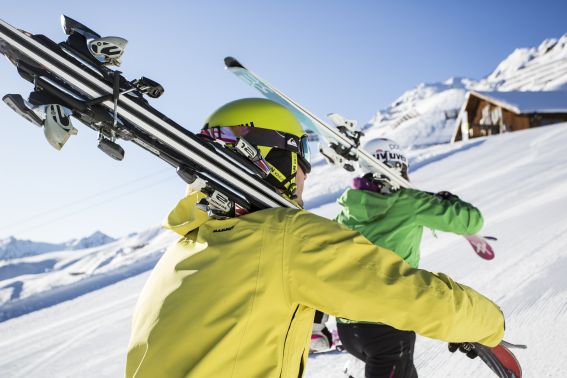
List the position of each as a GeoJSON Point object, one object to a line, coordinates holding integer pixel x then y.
{"type": "Point", "coordinates": [426, 114]}
{"type": "Point", "coordinates": [11, 248]}
{"type": "Point", "coordinates": [35, 275]}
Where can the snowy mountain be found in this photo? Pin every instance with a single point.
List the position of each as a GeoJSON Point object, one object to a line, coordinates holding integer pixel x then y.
{"type": "Point", "coordinates": [426, 114]}
{"type": "Point", "coordinates": [32, 282]}
{"type": "Point", "coordinates": [11, 248]}
{"type": "Point", "coordinates": [96, 239]}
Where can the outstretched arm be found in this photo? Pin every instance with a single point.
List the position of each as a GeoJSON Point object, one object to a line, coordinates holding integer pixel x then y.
{"type": "Point", "coordinates": [336, 270]}
{"type": "Point", "coordinates": [445, 212]}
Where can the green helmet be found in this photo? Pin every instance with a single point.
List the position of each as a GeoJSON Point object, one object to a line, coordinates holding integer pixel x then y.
{"type": "Point", "coordinates": [272, 129]}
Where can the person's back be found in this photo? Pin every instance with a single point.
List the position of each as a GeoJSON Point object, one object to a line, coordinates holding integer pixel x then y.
{"type": "Point", "coordinates": [206, 303]}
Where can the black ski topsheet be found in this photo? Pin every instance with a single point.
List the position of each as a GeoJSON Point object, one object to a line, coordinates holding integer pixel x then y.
{"type": "Point", "coordinates": [154, 130]}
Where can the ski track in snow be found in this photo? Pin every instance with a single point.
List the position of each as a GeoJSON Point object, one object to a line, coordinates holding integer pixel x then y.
{"type": "Point", "coordinates": [518, 180]}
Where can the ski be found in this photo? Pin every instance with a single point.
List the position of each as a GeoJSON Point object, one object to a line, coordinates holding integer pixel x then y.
{"type": "Point", "coordinates": [343, 140]}
{"type": "Point", "coordinates": [481, 246]}
{"type": "Point", "coordinates": [72, 79]}
{"type": "Point", "coordinates": [500, 359]}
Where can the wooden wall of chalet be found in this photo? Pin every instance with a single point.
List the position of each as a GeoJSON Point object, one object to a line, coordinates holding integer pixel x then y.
{"type": "Point", "coordinates": [509, 121]}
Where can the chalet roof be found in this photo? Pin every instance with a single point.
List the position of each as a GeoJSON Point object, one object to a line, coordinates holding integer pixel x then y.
{"type": "Point", "coordinates": [527, 102]}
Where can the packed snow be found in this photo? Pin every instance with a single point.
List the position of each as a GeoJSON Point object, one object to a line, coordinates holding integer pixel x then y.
{"type": "Point", "coordinates": [65, 308]}
{"type": "Point", "coordinates": [518, 180]}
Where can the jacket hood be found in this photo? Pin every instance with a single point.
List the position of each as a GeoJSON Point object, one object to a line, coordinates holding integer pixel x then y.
{"type": "Point", "coordinates": [363, 206]}
{"type": "Point", "coordinates": [185, 216]}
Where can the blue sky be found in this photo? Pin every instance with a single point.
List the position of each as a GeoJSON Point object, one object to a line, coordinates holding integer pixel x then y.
{"type": "Point", "coordinates": [351, 57]}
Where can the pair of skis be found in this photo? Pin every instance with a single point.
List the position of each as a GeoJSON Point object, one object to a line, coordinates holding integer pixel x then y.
{"type": "Point", "coordinates": [343, 140]}
{"type": "Point", "coordinates": [73, 78]}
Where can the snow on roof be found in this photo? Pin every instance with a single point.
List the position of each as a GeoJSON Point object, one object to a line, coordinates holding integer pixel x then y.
{"type": "Point", "coordinates": [528, 102]}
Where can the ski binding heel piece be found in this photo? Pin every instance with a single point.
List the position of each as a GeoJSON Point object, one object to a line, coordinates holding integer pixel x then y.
{"type": "Point", "coordinates": [57, 125]}
{"type": "Point", "coordinates": [347, 127]}
{"type": "Point", "coordinates": [108, 50]}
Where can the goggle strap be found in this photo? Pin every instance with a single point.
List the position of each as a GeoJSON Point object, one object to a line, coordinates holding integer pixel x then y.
{"type": "Point", "coordinates": [256, 136]}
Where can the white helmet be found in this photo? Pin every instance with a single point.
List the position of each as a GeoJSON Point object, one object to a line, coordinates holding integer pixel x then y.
{"type": "Point", "coordinates": [388, 152]}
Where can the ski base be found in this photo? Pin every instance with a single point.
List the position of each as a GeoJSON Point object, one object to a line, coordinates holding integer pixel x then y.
{"type": "Point", "coordinates": [481, 246]}
{"type": "Point", "coordinates": [500, 360]}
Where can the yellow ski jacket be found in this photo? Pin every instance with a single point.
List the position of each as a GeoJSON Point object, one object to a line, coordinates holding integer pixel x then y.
{"type": "Point", "coordinates": [236, 297]}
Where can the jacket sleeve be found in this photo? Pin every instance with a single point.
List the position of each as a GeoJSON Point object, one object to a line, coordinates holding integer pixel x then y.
{"type": "Point", "coordinates": [335, 270]}
{"type": "Point", "coordinates": [449, 215]}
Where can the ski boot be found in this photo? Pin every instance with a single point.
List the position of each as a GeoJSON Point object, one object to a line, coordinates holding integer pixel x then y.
{"type": "Point", "coordinates": [320, 342]}
{"type": "Point", "coordinates": [321, 337]}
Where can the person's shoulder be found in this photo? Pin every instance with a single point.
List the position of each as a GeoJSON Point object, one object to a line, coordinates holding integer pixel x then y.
{"type": "Point", "coordinates": [309, 226]}
{"type": "Point", "coordinates": [296, 220]}
{"type": "Point", "coordinates": [415, 194]}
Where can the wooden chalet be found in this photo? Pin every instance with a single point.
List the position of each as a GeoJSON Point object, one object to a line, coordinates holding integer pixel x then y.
{"type": "Point", "coordinates": [489, 113]}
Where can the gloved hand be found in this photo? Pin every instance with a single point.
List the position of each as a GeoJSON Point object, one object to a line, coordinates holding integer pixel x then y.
{"type": "Point", "coordinates": [466, 348]}
{"type": "Point", "coordinates": [446, 195]}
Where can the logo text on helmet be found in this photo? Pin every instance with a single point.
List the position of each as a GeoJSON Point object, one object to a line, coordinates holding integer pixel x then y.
{"type": "Point", "coordinates": [390, 156]}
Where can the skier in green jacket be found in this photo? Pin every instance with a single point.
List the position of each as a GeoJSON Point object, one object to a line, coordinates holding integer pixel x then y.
{"type": "Point", "coordinates": [394, 218]}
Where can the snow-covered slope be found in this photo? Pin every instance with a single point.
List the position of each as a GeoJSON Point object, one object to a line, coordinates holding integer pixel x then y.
{"type": "Point", "coordinates": [519, 180]}
{"type": "Point", "coordinates": [426, 115]}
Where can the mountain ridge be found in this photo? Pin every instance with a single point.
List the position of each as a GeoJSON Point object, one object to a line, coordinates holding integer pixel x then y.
{"type": "Point", "coordinates": [425, 115]}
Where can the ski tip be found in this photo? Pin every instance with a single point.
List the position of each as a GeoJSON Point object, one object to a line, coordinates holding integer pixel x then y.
{"type": "Point", "coordinates": [231, 62]}
{"type": "Point", "coordinates": [510, 345]}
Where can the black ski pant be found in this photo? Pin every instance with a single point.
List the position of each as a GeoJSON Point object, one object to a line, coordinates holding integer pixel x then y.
{"type": "Point", "coordinates": [387, 352]}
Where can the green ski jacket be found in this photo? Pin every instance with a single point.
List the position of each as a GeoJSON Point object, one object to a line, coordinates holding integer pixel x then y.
{"type": "Point", "coordinates": [396, 221]}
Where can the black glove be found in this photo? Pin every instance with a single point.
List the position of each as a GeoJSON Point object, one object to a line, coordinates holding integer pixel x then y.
{"type": "Point", "coordinates": [446, 195]}
{"type": "Point", "coordinates": [466, 348]}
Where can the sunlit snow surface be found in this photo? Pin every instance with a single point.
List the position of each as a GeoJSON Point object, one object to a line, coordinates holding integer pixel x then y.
{"type": "Point", "coordinates": [425, 115]}
{"type": "Point", "coordinates": [518, 180]}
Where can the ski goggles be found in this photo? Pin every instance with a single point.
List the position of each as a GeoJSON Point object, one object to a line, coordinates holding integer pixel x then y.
{"type": "Point", "coordinates": [264, 137]}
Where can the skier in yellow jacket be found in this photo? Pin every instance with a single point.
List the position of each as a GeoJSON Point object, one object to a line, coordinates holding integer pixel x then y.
{"type": "Point", "coordinates": [236, 297]}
